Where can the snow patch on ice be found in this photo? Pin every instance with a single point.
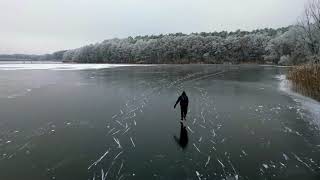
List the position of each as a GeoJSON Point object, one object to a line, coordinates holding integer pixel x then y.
{"type": "Point", "coordinates": [61, 66]}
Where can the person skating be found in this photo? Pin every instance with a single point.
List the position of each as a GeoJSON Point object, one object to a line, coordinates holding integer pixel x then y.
{"type": "Point", "coordinates": [184, 101]}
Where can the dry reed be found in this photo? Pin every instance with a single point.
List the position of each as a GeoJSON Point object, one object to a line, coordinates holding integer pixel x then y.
{"type": "Point", "coordinates": [306, 80]}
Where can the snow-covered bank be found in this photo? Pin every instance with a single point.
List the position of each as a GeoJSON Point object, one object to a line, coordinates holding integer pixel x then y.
{"type": "Point", "coordinates": [61, 66]}
{"type": "Point", "coordinates": [309, 105]}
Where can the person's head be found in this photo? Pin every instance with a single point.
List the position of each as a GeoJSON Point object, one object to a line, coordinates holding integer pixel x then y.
{"type": "Point", "coordinates": [184, 93]}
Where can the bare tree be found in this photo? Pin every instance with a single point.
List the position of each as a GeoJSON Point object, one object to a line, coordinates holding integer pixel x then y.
{"type": "Point", "coordinates": [310, 23]}
{"type": "Point", "coordinates": [314, 10]}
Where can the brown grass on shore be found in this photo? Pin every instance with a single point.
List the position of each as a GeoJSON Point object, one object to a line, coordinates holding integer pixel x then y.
{"type": "Point", "coordinates": [306, 80]}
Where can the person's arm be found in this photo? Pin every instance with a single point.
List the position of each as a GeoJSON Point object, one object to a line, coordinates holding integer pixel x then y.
{"type": "Point", "coordinates": [177, 102]}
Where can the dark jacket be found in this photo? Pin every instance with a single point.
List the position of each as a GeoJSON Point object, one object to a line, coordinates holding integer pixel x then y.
{"type": "Point", "coordinates": [184, 101]}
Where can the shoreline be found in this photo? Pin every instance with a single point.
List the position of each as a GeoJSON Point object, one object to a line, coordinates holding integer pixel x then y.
{"type": "Point", "coordinates": [54, 65]}
{"type": "Point", "coordinates": [69, 62]}
{"type": "Point", "coordinates": [306, 103]}
{"type": "Point", "coordinates": [65, 65]}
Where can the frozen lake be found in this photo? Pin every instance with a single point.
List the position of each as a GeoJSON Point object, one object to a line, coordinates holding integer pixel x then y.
{"type": "Point", "coordinates": [75, 121]}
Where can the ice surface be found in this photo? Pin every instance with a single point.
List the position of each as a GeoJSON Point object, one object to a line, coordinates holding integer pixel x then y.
{"type": "Point", "coordinates": [61, 66]}
{"type": "Point", "coordinates": [285, 157]}
{"type": "Point", "coordinates": [196, 148]}
{"type": "Point", "coordinates": [132, 142]}
{"type": "Point", "coordinates": [265, 166]}
{"type": "Point", "coordinates": [98, 160]}
{"type": "Point", "coordinates": [222, 165]}
{"type": "Point", "coordinates": [208, 160]}
{"type": "Point", "coordinates": [129, 110]}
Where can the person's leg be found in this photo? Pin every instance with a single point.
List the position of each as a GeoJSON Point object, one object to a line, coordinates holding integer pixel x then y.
{"type": "Point", "coordinates": [185, 114]}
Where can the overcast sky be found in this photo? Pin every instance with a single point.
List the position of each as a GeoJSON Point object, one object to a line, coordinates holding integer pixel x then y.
{"type": "Point", "coordinates": [44, 26]}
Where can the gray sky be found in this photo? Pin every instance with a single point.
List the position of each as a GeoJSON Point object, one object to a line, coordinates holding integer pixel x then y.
{"type": "Point", "coordinates": [44, 26]}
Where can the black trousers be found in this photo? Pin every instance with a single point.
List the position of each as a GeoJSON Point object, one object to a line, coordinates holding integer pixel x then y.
{"type": "Point", "coordinates": [184, 111]}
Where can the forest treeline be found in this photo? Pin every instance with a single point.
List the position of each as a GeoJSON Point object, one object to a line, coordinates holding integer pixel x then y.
{"type": "Point", "coordinates": [215, 47]}
{"type": "Point", "coordinates": [289, 45]}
